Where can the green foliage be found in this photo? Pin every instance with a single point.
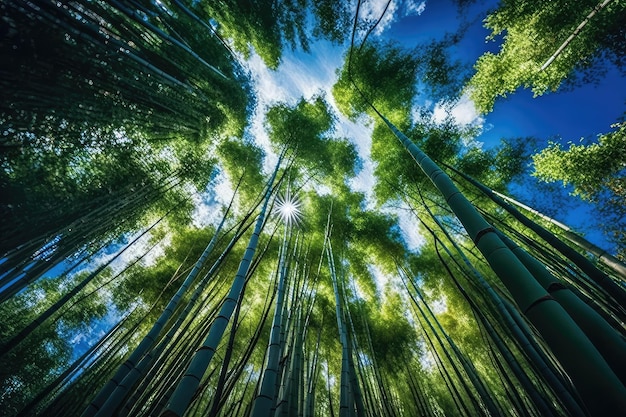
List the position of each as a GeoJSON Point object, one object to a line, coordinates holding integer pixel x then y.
{"type": "Point", "coordinates": [333, 19]}
{"type": "Point", "coordinates": [394, 166]}
{"type": "Point", "coordinates": [301, 128]}
{"type": "Point", "coordinates": [512, 158]}
{"type": "Point", "coordinates": [116, 138]}
{"type": "Point", "coordinates": [269, 27]}
{"type": "Point", "coordinates": [385, 73]}
{"type": "Point", "coordinates": [588, 168]}
{"type": "Point", "coordinates": [596, 172]}
{"type": "Point", "coordinates": [305, 130]}
{"type": "Point", "coordinates": [532, 32]}
{"type": "Point", "coordinates": [441, 77]}
{"type": "Point", "coordinates": [391, 332]}
{"type": "Point", "coordinates": [242, 159]}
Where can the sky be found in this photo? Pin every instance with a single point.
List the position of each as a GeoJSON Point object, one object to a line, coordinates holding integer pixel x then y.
{"type": "Point", "coordinates": [584, 111]}
{"type": "Point", "coordinates": [566, 116]}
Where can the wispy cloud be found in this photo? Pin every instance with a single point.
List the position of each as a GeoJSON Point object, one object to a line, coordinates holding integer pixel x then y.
{"type": "Point", "coordinates": [411, 234]}
{"type": "Point", "coordinates": [398, 9]}
{"type": "Point", "coordinates": [415, 8]}
{"type": "Point", "coordinates": [208, 205]}
{"type": "Point", "coordinates": [463, 112]}
{"type": "Point", "coordinates": [144, 247]}
{"type": "Point", "coordinates": [300, 74]}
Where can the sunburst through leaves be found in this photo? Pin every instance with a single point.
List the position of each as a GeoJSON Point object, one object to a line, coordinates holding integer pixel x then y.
{"type": "Point", "coordinates": [288, 208]}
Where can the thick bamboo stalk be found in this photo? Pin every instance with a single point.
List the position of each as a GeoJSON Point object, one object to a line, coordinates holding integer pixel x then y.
{"type": "Point", "coordinates": [601, 389]}
{"type": "Point", "coordinates": [603, 256]}
{"type": "Point", "coordinates": [611, 344]}
{"type": "Point", "coordinates": [186, 388]}
{"type": "Point", "coordinates": [523, 341]}
{"type": "Point", "coordinates": [605, 282]}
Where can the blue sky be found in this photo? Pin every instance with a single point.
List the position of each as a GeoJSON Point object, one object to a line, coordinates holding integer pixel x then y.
{"type": "Point", "coordinates": [564, 116]}
{"type": "Point", "coordinates": [585, 111]}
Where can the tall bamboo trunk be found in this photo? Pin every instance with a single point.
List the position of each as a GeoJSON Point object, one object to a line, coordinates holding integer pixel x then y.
{"type": "Point", "coordinates": [615, 291]}
{"type": "Point", "coordinates": [187, 386]}
{"type": "Point", "coordinates": [600, 388]}
{"type": "Point", "coordinates": [603, 256]}
{"type": "Point", "coordinates": [264, 401]}
{"type": "Point", "coordinates": [113, 393]}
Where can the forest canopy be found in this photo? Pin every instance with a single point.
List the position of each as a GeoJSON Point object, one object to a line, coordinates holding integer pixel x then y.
{"type": "Point", "coordinates": [295, 208]}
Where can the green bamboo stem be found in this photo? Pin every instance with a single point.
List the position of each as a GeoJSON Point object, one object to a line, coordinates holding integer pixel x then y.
{"type": "Point", "coordinates": [609, 343]}
{"type": "Point", "coordinates": [344, 398]}
{"type": "Point", "coordinates": [264, 401]}
{"type": "Point", "coordinates": [112, 394]}
{"type": "Point", "coordinates": [360, 409]}
{"type": "Point", "coordinates": [187, 386]}
{"type": "Point", "coordinates": [603, 256]}
{"type": "Point", "coordinates": [604, 281]}
{"type": "Point", "coordinates": [523, 341]}
{"type": "Point", "coordinates": [600, 388]}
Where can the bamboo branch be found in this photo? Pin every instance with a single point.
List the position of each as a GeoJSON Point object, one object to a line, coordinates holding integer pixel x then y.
{"type": "Point", "coordinates": [575, 33]}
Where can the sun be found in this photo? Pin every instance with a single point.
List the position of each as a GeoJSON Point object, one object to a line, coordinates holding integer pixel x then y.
{"type": "Point", "coordinates": [288, 208]}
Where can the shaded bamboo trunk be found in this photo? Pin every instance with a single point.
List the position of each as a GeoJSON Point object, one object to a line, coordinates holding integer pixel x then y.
{"type": "Point", "coordinates": [603, 256]}
{"type": "Point", "coordinates": [600, 388]}
{"type": "Point", "coordinates": [187, 386]}
{"type": "Point", "coordinates": [605, 282]}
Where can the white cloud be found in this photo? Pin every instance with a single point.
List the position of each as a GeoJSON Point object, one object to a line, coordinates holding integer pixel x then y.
{"type": "Point", "coordinates": [439, 305]}
{"type": "Point", "coordinates": [415, 7]}
{"type": "Point", "coordinates": [410, 232]}
{"type": "Point", "coordinates": [306, 75]}
{"type": "Point", "coordinates": [140, 248]}
{"type": "Point", "coordinates": [398, 9]}
{"type": "Point", "coordinates": [372, 10]}
{"type": "Point", "coordinates": [143, 245]}
{"type": "Point", "coordinates": [208, 205]}
{"type": "Point", "coordinates": [463, 112]}
{"type": "Point", "coordinates": [380, 278]}
{"type": "Point", "coordinates": [360, 134]}
{"type": "Point", "coordinates": [300, 74]}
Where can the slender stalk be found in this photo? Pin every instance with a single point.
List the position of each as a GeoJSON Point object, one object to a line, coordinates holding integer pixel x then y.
{"type": "Point", "coordinates": [603, 256]}
{"type": "Point", "coordinates": [187, 386]}
{"type": "Point", "coordinates": [591, 374]}
{"type": "Point", "coordinates": [575, 33]}
{"type": "Point", "coordinates": [264, 401]}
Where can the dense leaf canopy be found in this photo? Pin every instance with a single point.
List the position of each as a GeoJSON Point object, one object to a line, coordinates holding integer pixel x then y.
{"type": "Point", "coordinates": [147, 267]}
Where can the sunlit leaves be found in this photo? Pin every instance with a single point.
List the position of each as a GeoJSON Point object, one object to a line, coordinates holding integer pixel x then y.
{"type": "Point", "coordinates": [385, 73]}
{"type": "Point", "coordinates": [587, 167]}
{"type": "Point", "coordinates": [306, 131]}
{"type": "Point", "coordinates": [533, 31]}
{"type": "Point", "coordinates": [271, 27]}
{"type": "Point", "coordinates": [240, 159]}
{"type": "Point", "coordinates": [595, 172]}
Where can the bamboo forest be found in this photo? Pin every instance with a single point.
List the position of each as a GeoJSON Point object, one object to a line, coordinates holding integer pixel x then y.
{"type": "Point", "coordinates": [309, 208]}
